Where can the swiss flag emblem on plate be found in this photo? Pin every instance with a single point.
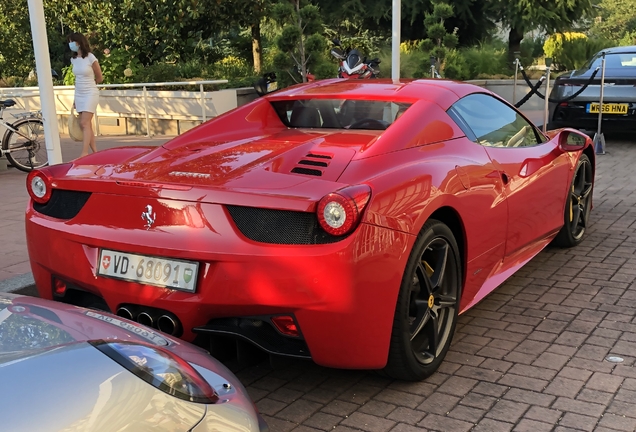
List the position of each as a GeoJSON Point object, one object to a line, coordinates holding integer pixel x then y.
{"type": "Point", "coordinates": [106, 261]}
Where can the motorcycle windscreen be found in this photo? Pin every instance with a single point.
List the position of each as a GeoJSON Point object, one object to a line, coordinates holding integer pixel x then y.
{"type": "Point", "coordinates": [353, 59]}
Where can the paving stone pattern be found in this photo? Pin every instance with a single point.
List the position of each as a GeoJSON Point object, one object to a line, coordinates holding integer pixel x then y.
{"type": "Point", "coordinates": [528, 358]}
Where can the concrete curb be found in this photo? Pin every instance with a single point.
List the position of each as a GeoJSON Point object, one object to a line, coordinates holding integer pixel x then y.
{"type": "Point", "coordinates": [17, 283]}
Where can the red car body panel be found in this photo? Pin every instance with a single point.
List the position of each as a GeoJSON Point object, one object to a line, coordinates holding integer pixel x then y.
{"type": "Point", "coordinates": [509, 203]}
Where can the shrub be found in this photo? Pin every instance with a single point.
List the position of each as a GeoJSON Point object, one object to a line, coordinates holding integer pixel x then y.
{"type": "Point", "coordinates": [531, 49]}
{"type": "Point", "coordinates": [158, 72]}
{"type": "Point", "coordinates": [120, 66]}
{"type": "Point", "coordinates": [486, 59]}
{"type": "Point", "coordinates": [628, 39]}
{"type": "Point", "coordinates": [192, 69]}
{"type": "Point", "coordinates": [455, 66]}
{"type": "Point", "coordinates": [572, 50]}
{"type": "Point", "coordinates": [12, 81]}
{"type": "Point", "coordinates": [230, 67]}
{"type": "Point", "coordinates": [68, 77]}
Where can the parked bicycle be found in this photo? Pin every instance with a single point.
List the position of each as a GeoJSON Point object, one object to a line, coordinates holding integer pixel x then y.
{"type": "Point", "coordinates": [23, 140]}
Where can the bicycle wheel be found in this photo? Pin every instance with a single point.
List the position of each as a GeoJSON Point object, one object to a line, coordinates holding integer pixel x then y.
{"type": "Point", "coordinates": [27, 148]}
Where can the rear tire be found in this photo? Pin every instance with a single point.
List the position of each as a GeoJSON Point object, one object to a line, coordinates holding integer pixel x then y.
{"type": "Point", "coordinates": [427, 305]}
{"type": "Point", "coordinates": [577, 206]}
{"type": "Point", "coordinates": [31, 153]}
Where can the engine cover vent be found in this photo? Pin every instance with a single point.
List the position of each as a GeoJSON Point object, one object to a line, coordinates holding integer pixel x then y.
{"type": "Point", "coordinates": [315, 160]}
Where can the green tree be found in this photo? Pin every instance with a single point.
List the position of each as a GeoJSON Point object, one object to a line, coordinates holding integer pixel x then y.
{"type": "Point", "coordinates": [300, 42]}
{"type": "Point", "coordinates": [247, 14]}
{"type": "Point", "coordinates": [439, 41]}
{"type": "Point", "coordinates": [471, 17]}
{"type": "Point", "coordinates": [616, 20]}
{"type": "Point", "coordinates": [16, 49]}
{"type": "Point", "coordinates": [169, 30]}
{"type": "Point", "coordinates": [551, 16]}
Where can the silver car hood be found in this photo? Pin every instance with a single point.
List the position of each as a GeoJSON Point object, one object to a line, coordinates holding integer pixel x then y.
{"type": "Point", "coordinates": [52, 379]}
{"type": "Point", "coordinates": [77, 388]}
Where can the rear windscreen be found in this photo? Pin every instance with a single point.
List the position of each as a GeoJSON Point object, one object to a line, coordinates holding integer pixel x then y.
{"type": "Point", "coordinates": [624, 61]}
{"type": "Point", "coordinates": [339, 113]}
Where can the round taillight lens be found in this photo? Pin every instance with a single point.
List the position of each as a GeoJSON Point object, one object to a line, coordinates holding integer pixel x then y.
{"type": "Point", "coordinates": [336, 214]}
{"type": "Point", "coordinates": [161, 368]}
{"type": "Point", "coordinates": [339, 212]}
{"type": "Point", "coordinates": [39, 187]}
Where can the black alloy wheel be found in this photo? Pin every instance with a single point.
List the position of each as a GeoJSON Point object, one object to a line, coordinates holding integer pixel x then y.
{"type": "Point", "coordinates": [578, 205]}
{"type": "Point", "coordinates": [428, 303]}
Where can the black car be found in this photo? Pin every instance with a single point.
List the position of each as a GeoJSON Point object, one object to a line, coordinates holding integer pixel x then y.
{"type": "Point", "coordinates": [619, 96]}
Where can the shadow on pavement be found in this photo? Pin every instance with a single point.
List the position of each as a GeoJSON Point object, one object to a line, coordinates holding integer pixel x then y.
{"type": "Point", "coordinates": [31, 290]}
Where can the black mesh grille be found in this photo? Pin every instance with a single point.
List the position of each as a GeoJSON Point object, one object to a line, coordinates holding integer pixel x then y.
{"type": "Point", "coordinates": [64, 204]}
{"type": "Point", "coordinates": [280, 226]}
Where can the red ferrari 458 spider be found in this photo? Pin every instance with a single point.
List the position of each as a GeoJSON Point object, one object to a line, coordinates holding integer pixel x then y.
{"type": "Point", "coordinates": [344, 221]}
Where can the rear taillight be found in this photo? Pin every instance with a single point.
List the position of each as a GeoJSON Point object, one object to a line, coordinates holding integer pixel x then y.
{"type": "Point", "coordinates": [160, 368]}
{"type": "Point", "coordinates": [339, 212]}
{"type": "Point", "coordinates": [39, 186]}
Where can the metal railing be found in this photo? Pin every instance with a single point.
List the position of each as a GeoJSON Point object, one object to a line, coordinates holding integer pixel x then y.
{"type": "Point", "coordinates": [143, 86]}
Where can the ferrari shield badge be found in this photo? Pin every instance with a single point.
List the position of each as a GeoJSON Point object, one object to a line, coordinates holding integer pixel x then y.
{"type": "Point", "coordinates": [149, 217]}
{"type": "Point", "coordinates": [187, 275]}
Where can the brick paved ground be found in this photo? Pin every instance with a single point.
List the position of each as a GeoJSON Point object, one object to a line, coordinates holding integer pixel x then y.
{"type": "Point", "coordinates": [528, 358]}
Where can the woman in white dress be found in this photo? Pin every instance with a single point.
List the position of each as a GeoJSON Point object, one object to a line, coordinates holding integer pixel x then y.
{"type": "Point", "coordinates": [87, 75]}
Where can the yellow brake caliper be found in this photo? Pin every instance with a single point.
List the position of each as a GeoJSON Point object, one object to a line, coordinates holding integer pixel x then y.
{"type": "Point", "coordinates": [429, 269]}
{"type": "Point", "coordinates": [429, 272]}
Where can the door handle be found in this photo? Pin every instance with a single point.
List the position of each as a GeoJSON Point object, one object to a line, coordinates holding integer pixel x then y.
{"type": "Point", "coordinates": [504, 178]}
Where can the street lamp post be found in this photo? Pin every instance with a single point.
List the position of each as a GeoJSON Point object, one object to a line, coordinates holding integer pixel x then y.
{"type": "Point", "coordinates": [45, 81]}
{"type": "Point", "coordinates": [395, 40]}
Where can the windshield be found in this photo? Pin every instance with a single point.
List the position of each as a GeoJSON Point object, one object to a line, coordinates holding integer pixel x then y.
{"type": "Point", "coordinates": [624, 61]}
{"type": "Point", "coordinates": [339, 113]}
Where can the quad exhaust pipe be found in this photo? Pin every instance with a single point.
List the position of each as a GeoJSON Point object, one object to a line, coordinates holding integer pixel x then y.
{"type": "Point", "coordinates": [124, 312]}
{"type": "Point", "coordinates": [146, 319]}
{"type": "Point", "coordinates": [161, 320]}
{"type": "Point", "coordinates": [167, 324]}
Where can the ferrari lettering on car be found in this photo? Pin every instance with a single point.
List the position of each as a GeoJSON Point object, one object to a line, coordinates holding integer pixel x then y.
{"type": "Point", "coordinates": [341, 221]}
{"type": "Point", "coordinates": [189, 174]}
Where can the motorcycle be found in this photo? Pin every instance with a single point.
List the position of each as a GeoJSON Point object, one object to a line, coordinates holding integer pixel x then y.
{"type": "Point", "coordinates": [353, 65]}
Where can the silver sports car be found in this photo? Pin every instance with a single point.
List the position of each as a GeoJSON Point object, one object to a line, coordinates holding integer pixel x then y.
{"type": "Point", "coordinates": [65, 368]}
{"type": "Point", "coordinates": [619, 99]}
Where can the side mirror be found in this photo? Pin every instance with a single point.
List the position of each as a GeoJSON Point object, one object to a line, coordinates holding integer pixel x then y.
{"type": "Point", "coordinates": [571, 140]}
{"type": "Point", "coordinates": [336, 42]}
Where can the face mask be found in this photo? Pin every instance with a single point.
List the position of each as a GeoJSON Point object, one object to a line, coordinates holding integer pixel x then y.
{"type": "Point", "coordinates": [73, 46]}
